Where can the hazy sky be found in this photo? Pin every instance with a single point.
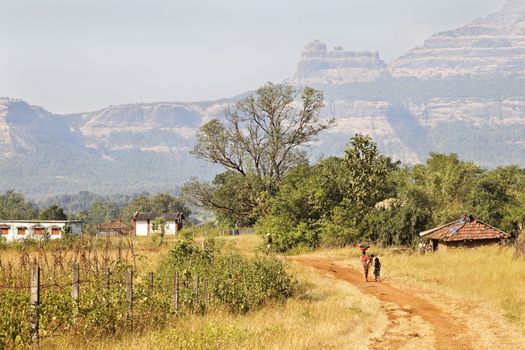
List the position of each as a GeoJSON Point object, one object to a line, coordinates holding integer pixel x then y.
{"type": "Point", "coordinates": [78, 55]}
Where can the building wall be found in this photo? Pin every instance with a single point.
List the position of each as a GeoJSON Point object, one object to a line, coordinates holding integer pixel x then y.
{"type": "Point", "coordinates": [443, 246]}
{"type": "Point", "coordinates": [171, 227]}
{"type": "Point", "coordinates": [31, 226]}
{"type": "Point", "coordinates": [141, 227]}
{"type": "Point", "coordinates": [76, 228]}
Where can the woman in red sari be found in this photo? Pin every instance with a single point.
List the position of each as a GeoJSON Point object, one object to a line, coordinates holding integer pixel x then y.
{"type": "Point", "coordinates": [365, 261]}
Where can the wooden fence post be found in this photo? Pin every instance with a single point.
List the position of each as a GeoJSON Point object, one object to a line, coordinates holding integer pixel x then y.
{"type": "Point", "coordinates": [107, 273]}
{"type": "Point", "coordinates": [75, 288]}
{"type": "Point", "coordinates": [151, 283]}
{"type": "Point", "coordinates": [205, 291]}
{"type": "Point", "coordinates": [176, 291]}
{"type": "Point", "coordinates": [196, 288]}
{"type": "Point", "coordinates": [130, 295]}
{"type": "Point", "coordinates": [211, 288]}
{"type": "Point", "coordinates": [35, 303]}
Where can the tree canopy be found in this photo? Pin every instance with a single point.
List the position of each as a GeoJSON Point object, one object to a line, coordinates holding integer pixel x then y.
{"type": "Point", "coordinates": [261, 138]}
{"type": "Point", "coordinates": [363, 195]}
{"type": "Point", "coordinates": [327, 202]}
{"type": "Point", "coordinates": [14, 206]}
{"type": "Point", "coordinates": [158, 204]}
{"type": "Point", "coordinates": [53, 212]}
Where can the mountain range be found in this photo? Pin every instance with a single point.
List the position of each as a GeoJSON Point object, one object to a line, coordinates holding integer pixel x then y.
{"type": "Point", "coordinates": [462, 91]}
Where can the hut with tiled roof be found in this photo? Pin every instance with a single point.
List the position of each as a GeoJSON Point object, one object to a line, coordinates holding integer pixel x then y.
{"type": "Point", "coordinates": [113, 228]}
{"type": "Point", "coordinates": [465, 232]}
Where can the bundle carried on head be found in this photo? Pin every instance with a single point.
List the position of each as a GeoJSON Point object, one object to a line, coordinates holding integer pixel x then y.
{"type": "Point", "coordinates": [363, 247]}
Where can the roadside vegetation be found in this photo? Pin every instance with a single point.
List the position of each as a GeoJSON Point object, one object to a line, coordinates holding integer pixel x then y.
{"type": "Point", "coordinates": [359, 195]}
{"type": "Point", "coordinates": [484, 278]}
{"type": "Point", "coordinates": [234, 284]}
{"type": "Point", "coordinates": [322, 313]}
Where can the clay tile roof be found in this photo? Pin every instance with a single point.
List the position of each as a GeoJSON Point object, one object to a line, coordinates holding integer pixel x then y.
{"type": "Point", "coordinates": [460, 231]}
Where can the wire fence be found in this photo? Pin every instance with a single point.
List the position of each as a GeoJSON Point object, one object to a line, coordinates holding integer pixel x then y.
{"type": "Point", "coordinates": [152, 290]}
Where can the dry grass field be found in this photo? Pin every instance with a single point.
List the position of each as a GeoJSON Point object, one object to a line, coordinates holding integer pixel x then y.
{"type": "Point", "coordinates": [327, 314]}
{"type": "Point", "coordinates": [482, 292]}
{"type": "Point", "coordinates": [482, 289]}
{"type": "Point", "coordinates": [487, 275]}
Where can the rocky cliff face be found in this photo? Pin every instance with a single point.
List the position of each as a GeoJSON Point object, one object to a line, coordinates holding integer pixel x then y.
{"type": "Point", "coordinates": [463, 91]}
{"type": "Point", "coordinates": [321, 66]}
{"type": "Point", "coordinates": [120, 149]}
{"type": "Point", "coordinates": [487, 47]}
{"type": "Point", "coordinates": [25, 128]}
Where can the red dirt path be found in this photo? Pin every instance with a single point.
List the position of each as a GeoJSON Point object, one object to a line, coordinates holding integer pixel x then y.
{"type": "Point", "coordinates": [449, 332]}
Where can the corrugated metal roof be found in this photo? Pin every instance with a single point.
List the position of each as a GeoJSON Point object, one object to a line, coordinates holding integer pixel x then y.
{"type": "Point", "coordinates": [424, 233]}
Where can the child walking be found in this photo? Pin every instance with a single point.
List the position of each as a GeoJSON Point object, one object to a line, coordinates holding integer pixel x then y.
{"type": "Point", "coordinates": [377, 269]}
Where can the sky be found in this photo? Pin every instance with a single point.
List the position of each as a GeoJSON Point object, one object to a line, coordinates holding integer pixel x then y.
{"type": "Point", "coordinates": [73, 56]}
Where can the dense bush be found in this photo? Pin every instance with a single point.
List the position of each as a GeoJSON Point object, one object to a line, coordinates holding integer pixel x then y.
{"type": "Point", "coordinates": [238, 283]}
{"type": "Point", "coordinates": [362, 195]}
{"type": "Point", "coordinates": [234, 283]}
{"type": "Point", "coordinates": [14, 316]}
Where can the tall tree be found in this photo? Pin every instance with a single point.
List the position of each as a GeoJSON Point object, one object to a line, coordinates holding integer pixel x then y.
{"type": "Point", "coordinates": [367, 171]}
{"type": "Point", "coordinates": [448, 182]}
{"type": "Point", "coordinates": [158, 204]}
{"type": "Point", "coordinates": [53, 212]}
{"type": "Point", "coordinates": [13, 206]}
{"type": "Point", "coordinates": [328, 203]}
{"type": "Point", "coordinates": [260, 139]}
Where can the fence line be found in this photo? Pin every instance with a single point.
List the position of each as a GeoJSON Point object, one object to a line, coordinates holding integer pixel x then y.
{"type": "Point", "coordinates": [35, 303]}
{"type": "Point", "coordinates": [176, 291]}
{"type": "Point", "coordinates": [198, 293]}
{"type": "Point", "coordinates": [129, 284]}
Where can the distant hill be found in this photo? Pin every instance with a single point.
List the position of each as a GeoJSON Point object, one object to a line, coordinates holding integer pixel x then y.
{"type": "Point", "coordinates": [462, 91]}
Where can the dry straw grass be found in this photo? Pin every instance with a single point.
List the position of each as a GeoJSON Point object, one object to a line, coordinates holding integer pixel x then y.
{"type": "Point", "coordinates": [489, 275]}
{"type": "Point", "coordinates": [332, 314]}
{"type": "Point", "coordinates": [329, 314]}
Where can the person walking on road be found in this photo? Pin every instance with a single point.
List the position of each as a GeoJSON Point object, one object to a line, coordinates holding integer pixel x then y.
{"type": "Point", "coordinates": [377, 270]}
{"type": "Point", "coordinates": [365, 261]}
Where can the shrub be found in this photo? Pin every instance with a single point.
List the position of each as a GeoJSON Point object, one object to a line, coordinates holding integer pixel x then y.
{"type": "Point", "coordinates": [238, 283]}
{"type": "Point", "coordinates": [14, 316]}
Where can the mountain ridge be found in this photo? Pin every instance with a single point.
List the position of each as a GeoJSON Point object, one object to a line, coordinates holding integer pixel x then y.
{"type": "Point", "coordinates": [462, 91]}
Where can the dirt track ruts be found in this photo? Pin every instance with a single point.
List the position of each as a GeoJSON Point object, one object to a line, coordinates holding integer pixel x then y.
{"type": "Point", "coordinates": [449, 332]}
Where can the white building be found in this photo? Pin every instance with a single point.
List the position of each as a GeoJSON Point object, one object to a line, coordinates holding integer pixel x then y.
{"type": "Point", "coordinates": [17, 230]}
{"type": "Point", "coordinates": [143, 223]}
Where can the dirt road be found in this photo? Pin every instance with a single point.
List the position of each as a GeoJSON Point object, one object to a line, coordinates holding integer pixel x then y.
{"type": "Point", "coordinates": [448, 331]}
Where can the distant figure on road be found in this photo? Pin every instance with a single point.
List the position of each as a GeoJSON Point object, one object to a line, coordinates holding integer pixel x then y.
{"type": "Point", "coordinates": [377, 270]}
{"type": "Point", "coordinates": [269, 241]}
{"type": "Point", "coordinates": [365, 261]}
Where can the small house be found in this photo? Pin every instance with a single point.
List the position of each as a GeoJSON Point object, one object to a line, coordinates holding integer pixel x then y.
{"type": "Point", "coordinates": [113, 228]}
{"type": "Point", "coordinates": [143, 223]}
{"type": "Point", "coordinates": [465, 232]}
{"type": "Point", "coordinates": [18, 230]}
